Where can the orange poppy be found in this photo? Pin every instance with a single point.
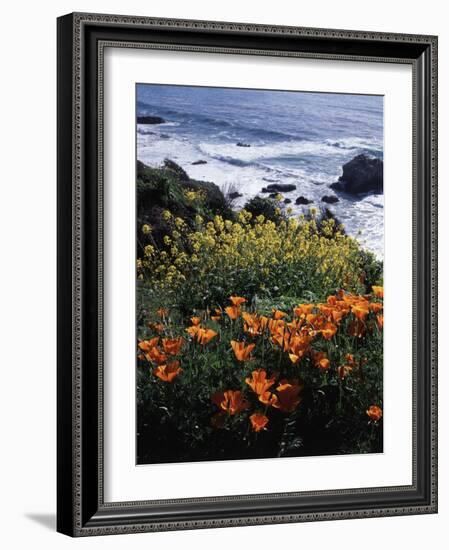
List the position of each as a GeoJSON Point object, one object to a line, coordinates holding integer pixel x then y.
{"type": "Point", "coordinates": [195, 321]}
{"type": "Point", "coordinates": [259, 382]}
{"type": "Point", "coordinates": [193, 330]}
{"type": "Point", "coordinates": [146, 345]}
{"type": "Point", "coordinates": [217, 315]}
{"type": "Point", "coordinates": [375, 307]}
{"type": "Point", "coordinates": [172, 346]}
{"type": "Point", "coordinates": [331, 300]}
{"type": "Point", "coordinates": [268, 398]}
{"type": "Point", "coordinates": [360, 311]}
{"type": "Point", "coordinates": [205, 335]}
{"type": "Point", "coordinates": [278, 314]}
{"type": "Point", "coordinates": [233, 312]}
{"type": "Point", "coordinates": [380, 321]}
{"type": "Point", "coordinates": [168, 372]}
{"type": "Point", "coordinates": [329, 331]}
{"type": "Point", "coordinates": [162, 312]}
{"type": "Point", "coordinates": [252, 324]}
{"type": "Point", "coordinates": [320, 360]}
{"type": "Point", "coordinates": [378, 291]}
{"type": "Point", "coordinates": [337, 315]}
{"type": "Point", "coordinates": [374, 412]}
{"type": "Point", "coordinates": [230, 401]}
{"type": "Point", "coordinates": [343, 371]}
{"type": "Point", "coordinates": [156, 356]}
{"type": "Point", "coordinates": [237, 300]}
{"type": "Point", "coordinates": [242, 352]}
{"type": "Point", "coordinates": [158, 327]}
{"type": "Point", "coordinates": [325, 309]}
{"type": "Point", "coordinates": [282, 338]}
{"type": "Point", "coordinates": [258, 422]}
{"type": "Point", "coordinates": [303, 309]}
{"type": "Point", "coordinates": [288, 396]}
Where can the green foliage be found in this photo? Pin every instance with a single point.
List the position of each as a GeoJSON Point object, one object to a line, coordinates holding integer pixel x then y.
{"type": "Point", "coordinates": [266, 207]}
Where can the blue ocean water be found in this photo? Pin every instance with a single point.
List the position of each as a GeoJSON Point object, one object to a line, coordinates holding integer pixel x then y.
{"type": "Point", "coordinates": [294, 137]}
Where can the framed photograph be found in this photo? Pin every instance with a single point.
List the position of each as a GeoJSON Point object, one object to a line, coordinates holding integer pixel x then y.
{"type": "Point", "coordinates": [247, 274]}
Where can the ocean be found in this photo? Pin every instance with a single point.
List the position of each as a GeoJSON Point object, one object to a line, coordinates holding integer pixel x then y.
{"type": "Point", "coordinates": [300, 138]}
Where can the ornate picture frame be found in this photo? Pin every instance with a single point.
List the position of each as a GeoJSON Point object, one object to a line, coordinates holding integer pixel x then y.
{"type": "Point", "coordinates": [81, 508]}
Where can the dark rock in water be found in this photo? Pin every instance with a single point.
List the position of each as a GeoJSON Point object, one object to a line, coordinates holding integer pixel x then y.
{"type": "Point", "coordinates": [287, 201]}
{"type": "Point", "coordinates": [150, 120]}
{"type": "Point", "coordinates": [362, 174]}
{"type": "Point", "coordinates": [272, 195]}
{"type": "Point", "coordinates": [303, 200]}
{"type": "Point", "coordinates": [330, 199]}
{"type": "Point", "coordinates": [234, 195]}
{"type": "Point", "coordinates": [241, 144]}
{"type": "Point", "coordinates": [279, 188]}
{"type": "Point", "coordinates": [197, 162]}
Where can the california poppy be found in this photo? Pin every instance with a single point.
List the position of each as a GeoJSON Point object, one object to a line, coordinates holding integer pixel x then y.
{"type": "Point", "coordinates": [380, 321]}
{"type": "Point", "coordinates": [242, 352]}
{"type": "Point", "coordinates": [258, 422]}
{"type": "Point", "coordinates": [278, 314]}
{"type": "Point", "coordinates": [320, 360]}
{"type": "Point", "coordinates": [288, 394]}
{"type": "Point", "coordinates": [230, 401]}
{"type": "Point", "coordinates": [205, 335]}
{"type": "Point", "coordinates": [146, 345]}
{"type": "Point", "coordinates": [233, 312]}
{"type": "Point", "coordinates": [162, 312]}
{"type": "Point", "coordinates": [259, 382]}
{"type": "Point", "coordinates": [378, 291]}
{"type": "Point", "coordinates": [195, 321]}
{"type": "Point", "coordinates": [193, 330]}
{"type": "Point", "coordinates": [268, 398]}
{"type": "Point", "coordinates": [172, 346]}
{"type": "Point", "coordinates": [360, 311]}
{"type": "Point", "coordinates": [156, 356]}
{"type": "Point", "coordinates": [237, 300]}
{"type": "Point", "coordinates": [168, 372]}
{"type": "Point", "coordinates": [375, 413]}
{"type": "Point", "coordinates": [376, 307]}
{"type": "Point", "coordinates": [303, 309]}
{"type": "Point", "coordinates": [343, 371]}
{"type": "Point", "coordinates": [329, 331]}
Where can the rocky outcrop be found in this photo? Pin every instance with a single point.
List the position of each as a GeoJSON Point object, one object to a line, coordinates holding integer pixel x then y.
{"type": "Point", "coordinates": [150, 120]}
{"type": "Point", "coordinates": [279, 188]}
{"type": "Point", "coordinates": [330, 199]}
{"type": "Point", "coordinates": [164, 188]}
{"type": "Point", "coordinates": [362, 174]}
{"type": "Point", "coordinates": [241, 144]}
{"type": "Point", "coordinates": [302, 200]}
{"type": "Point", "coordinates": [198, 162]}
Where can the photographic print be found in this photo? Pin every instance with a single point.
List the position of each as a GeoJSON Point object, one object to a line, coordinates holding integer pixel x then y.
{"type": "Point", "coordinates": [259, 273]}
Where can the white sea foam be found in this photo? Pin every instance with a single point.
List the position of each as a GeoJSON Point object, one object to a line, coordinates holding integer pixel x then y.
{"type": "Point", "coordinates": [249, 170]}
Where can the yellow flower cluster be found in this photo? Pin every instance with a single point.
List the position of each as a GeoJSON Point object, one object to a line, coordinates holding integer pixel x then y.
{"type": "Point", "coordinates": [259, 246]}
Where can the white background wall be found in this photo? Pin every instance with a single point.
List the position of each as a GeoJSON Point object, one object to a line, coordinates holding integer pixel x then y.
{"type": "Point", "coordinates": [27, 273]}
